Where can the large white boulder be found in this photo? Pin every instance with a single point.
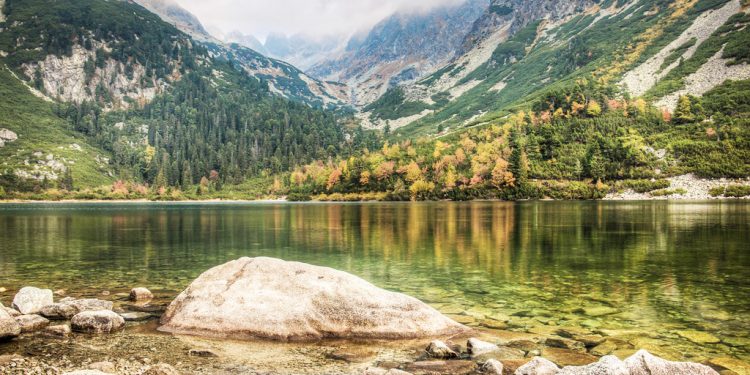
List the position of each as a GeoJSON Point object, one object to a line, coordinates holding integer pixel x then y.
{"type": "Point", "coordinates": [609, 365]}
{"type": "Point", "coordinates": [275, 299]}
{"type": "Point", "coordinates": [644, 363]}
{"type": "Point", "coordinates": [31, 300]}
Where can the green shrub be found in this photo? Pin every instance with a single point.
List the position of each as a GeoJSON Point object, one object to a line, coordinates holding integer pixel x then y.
{"type": "Point", "coordinates": [668, 192]}
{"type": "Point", "coordinates": [298, 197]}
{"type": "Point", "coordinates": [645, 186]}
{"type": "Point", "coordinates": [737, 191]}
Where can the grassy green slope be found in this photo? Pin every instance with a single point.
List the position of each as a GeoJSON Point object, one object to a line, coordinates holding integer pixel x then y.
{"type": "Point", "coordinates": [579, 48]}
{"type": "Point", "coordinates": [40, 129]}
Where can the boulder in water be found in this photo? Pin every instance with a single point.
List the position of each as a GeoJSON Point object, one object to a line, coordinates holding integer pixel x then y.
{"type": "Point", "coordinates": [140, 294]}
{"type": "Point", "coordinates": [275, 299]}
{"type": "Point", "coordinates": [31, 323]}
{"type": "Point", "coordinates": [30, 300]}
{"type": "Point", "coordinates": [67, 308]}
{"type": "Point", "coordinates": [9, 328]}
{"type": "Point", "coordinates": [644, 363]}
{"type": "Point", "coordinates": [538, 366]}
{"type": "Point", "coordinates": [102, 321]}
{"type": "Point", "coordinates": [609, 365]}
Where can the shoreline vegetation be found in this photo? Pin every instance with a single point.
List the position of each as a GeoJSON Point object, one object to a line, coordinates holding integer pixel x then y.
{"type": "Point", "coordinates": [685, 187]}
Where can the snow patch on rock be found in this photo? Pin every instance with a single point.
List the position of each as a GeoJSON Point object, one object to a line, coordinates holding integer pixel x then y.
{"type": "Point", "coordinates": [646, 75]}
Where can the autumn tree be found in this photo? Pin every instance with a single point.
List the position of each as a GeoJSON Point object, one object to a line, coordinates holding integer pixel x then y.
{"type": "Point", "coordinates": [501, 175]}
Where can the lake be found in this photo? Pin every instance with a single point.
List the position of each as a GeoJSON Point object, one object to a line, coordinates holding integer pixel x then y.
{"type": "Point", "coordinates": [667, 268]}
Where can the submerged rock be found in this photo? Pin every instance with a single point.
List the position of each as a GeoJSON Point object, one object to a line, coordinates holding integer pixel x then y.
{"type": "Point", "coordinates": [731, 364]}
{"type": "Point", "coordinates": [567, 357]}
{"type": "Point", "coordinates": [58, 331]}
{"type": "Point", "coordinates": [607, 365]}
{"type": "Point", "coordinates": [140, 294]}
{"type": "Point", "coordinates": [560, 342]}
{"type": "Point", "coordinates": [271, 298]}
{"type": "Point", "coordinates": [440, 350]}
{"type": "Point", "coordinates": [699, 337]}
{"type": "Point", "coordinates": [9, 328]}
{"type": "Point", "coordinates": [31, 323]}
{"type": "Point", "coordinates": [538, 366]}
{"type": "Point", "coordinates": [30, 300]}
{"type": "Point", "coordinates": [136, 316]}
{"type": "Point", "coordinates": [103, 321]}
{"type": "Point", "coordinates": [643, 363]}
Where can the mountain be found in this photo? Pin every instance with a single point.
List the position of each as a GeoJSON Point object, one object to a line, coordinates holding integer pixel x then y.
{"type": "Point", "coordinates": [401, 49]}
{"type": "Point", "coordinates": [284, 79]}
{"type": "Point", "coordinates": [304, 51]}
{"type": "Point", "coordinates": [248, 41]}
{"type": "Point", "coordinates": [96, 90]}
{"type": "Point", "coordinates": [173, 13]}
{"type": "Point", "coordinates": [518, 50]}
{"type": "Point", "coordinates": [569, 99]}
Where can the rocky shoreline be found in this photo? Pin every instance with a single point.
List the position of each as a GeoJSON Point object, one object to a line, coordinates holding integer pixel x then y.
{"type": "Point", "coordinates": [117, 334]}
{"type": "Point", "coordinates": [685, 187]}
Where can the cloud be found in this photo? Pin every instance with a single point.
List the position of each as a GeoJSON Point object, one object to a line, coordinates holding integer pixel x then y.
{"type": "Point", "coordinates": [311, 17]}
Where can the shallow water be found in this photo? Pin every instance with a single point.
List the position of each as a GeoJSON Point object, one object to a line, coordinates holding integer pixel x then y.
{"type": "Point", "coordinates": [655, 267]}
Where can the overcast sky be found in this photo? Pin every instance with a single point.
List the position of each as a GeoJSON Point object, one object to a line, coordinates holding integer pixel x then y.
{"type": "Point", "coordinates": [312, 17]}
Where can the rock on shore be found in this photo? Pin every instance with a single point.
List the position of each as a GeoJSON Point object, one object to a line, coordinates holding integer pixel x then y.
{"type": "Point", "coordinates": [275, 299]}
{"type": "Point", "coordinates": [31, 300]}
{"type": "Point", "coordinates": [101, 321]}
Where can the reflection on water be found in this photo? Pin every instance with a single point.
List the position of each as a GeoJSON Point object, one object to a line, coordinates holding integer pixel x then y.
{"type": "Point", "coordinates": [656, 266]}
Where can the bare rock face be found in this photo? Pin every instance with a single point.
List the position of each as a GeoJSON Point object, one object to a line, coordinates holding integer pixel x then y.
{"type": "Point", "coordinates": [275, 299]}
{"type": "Point", "coordinates": [644, 363]}
{"type": "Point", "coordinates": [30, 300]}
{"type": "Point", "coordinates": [102, 321]}
{"type": "Point", "coordinates": [9, 328]}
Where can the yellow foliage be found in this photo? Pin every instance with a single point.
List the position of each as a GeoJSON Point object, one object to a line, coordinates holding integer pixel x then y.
{"type": "Point", "coordinates": [501, 176]}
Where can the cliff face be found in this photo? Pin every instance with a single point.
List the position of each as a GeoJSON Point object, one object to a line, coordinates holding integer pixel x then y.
{"type": "Point", "coordinates": [401, 49]}
{"type": "Point", "coordinates": [516, 14]}
{"type": "Point", "coordinates": [173, 13]}
{"type": "Point", "coordinates": [66, 78]}
{"type": "Point", "coordinates": [284, 79]}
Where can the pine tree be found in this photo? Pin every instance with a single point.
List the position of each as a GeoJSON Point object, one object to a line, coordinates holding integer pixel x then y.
{"type": "Point", "coordinates": [519, 162]}
{"type": "Point", "coordinates": [683, 113]}
{"type": "Point", "coordinates": [66, 183]}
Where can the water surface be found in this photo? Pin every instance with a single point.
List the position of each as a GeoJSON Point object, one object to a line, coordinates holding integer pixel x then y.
{"type": "Point", "coordinates": [657, 267]}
